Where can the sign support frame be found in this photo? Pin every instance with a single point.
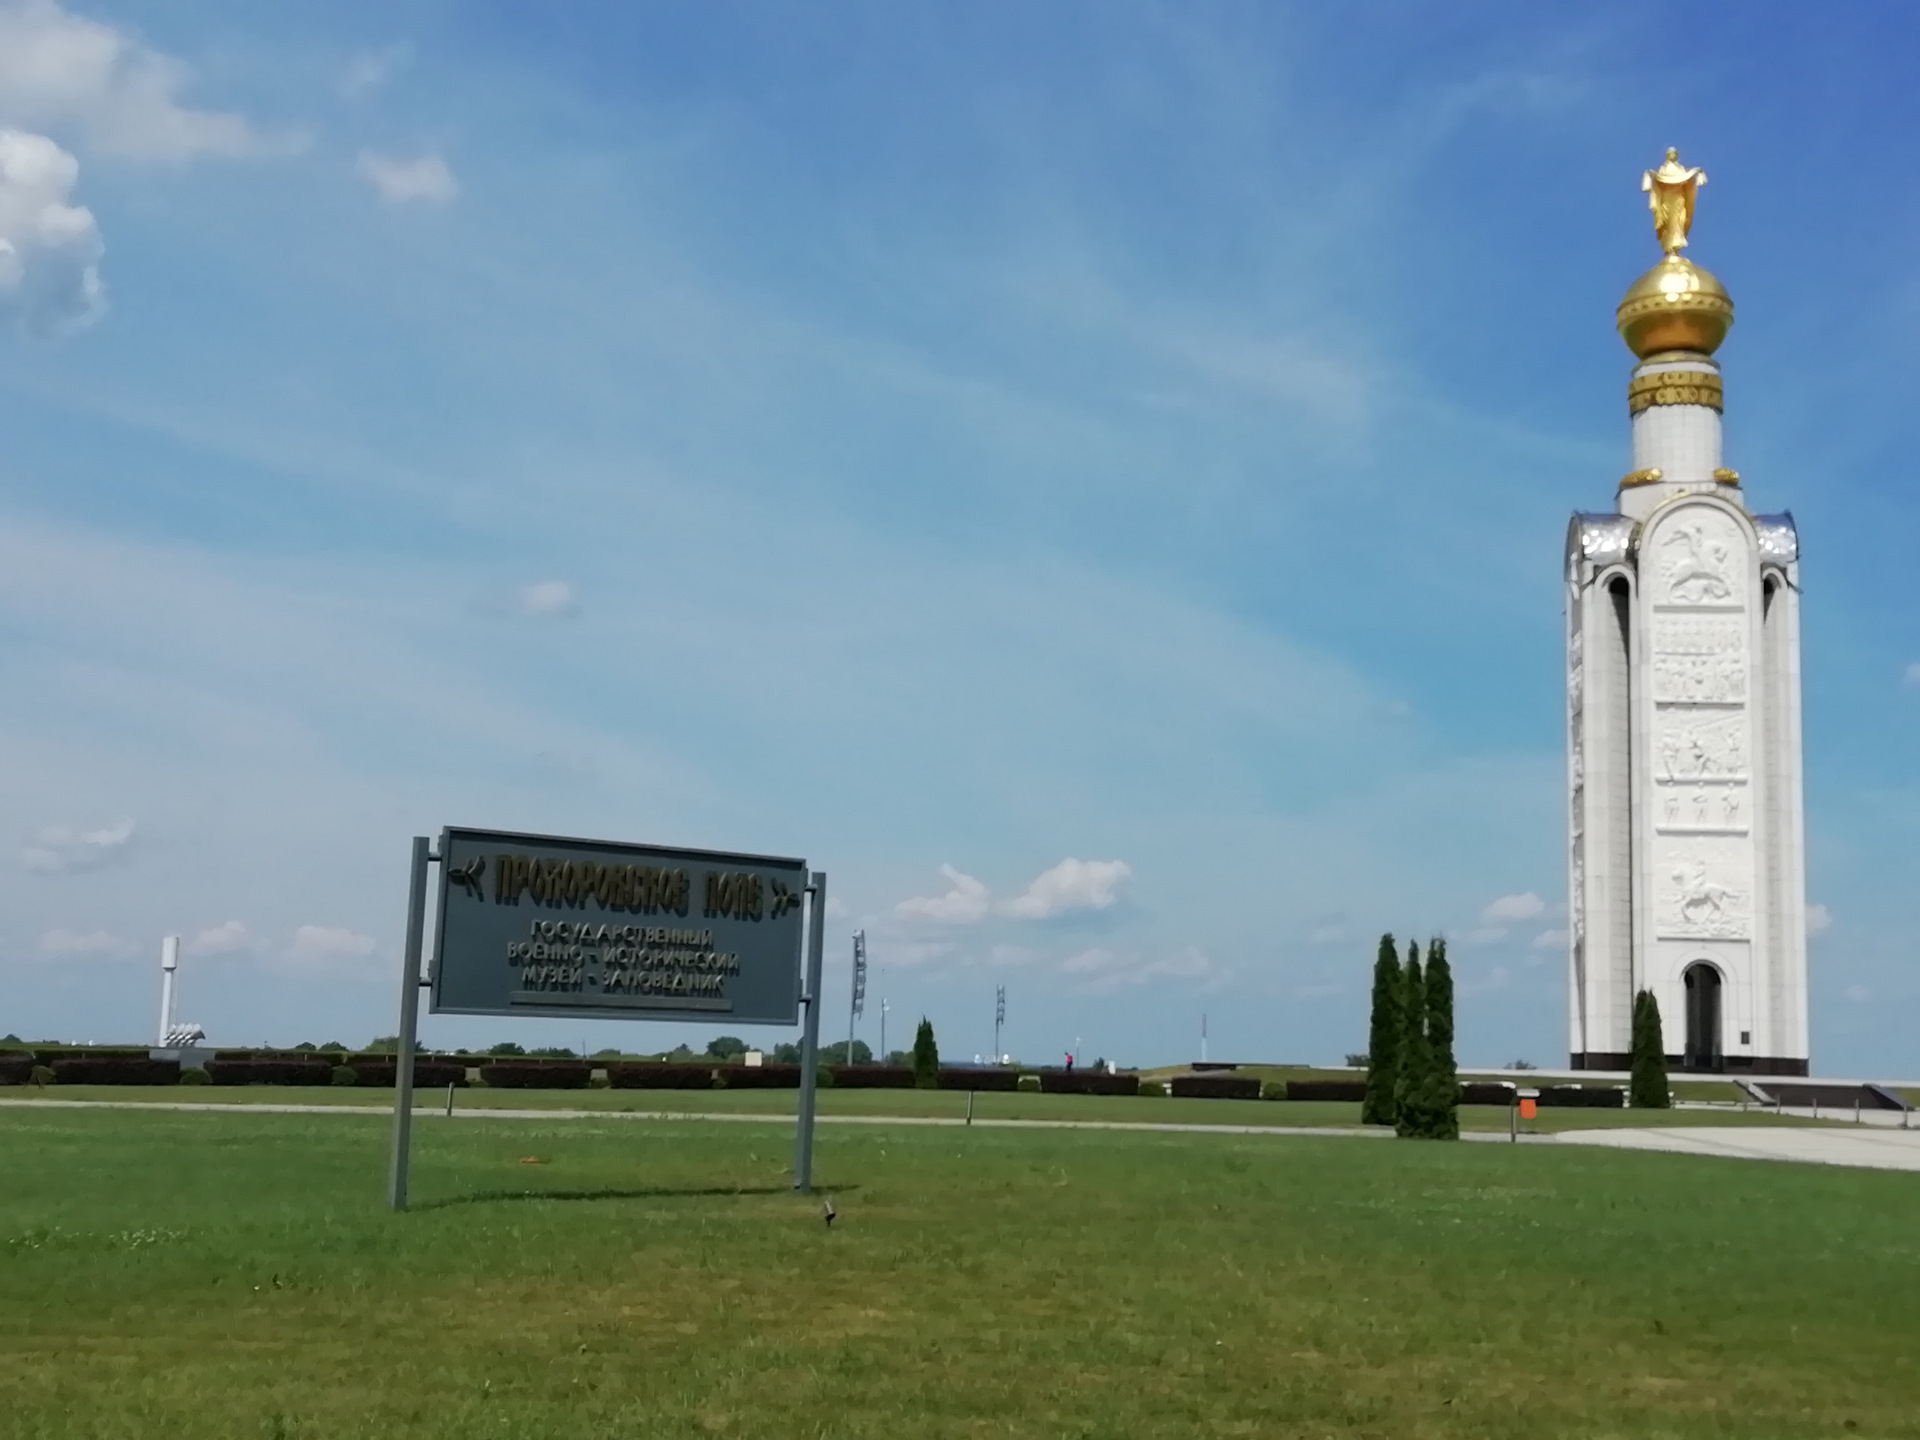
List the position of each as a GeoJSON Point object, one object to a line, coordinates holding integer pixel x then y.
{"type": "Point", "coordinates": [811, 998]}
{"type": "Point", "coordinates": [412, 982]}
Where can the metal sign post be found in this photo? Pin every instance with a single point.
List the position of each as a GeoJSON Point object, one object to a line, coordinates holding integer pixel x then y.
{"type": "Point", "coordinates": [409, 1022]}
{"type": "Point", "coordinates": [810, 1032]}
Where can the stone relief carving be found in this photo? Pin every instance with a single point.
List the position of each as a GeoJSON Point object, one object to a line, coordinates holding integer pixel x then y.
{"type": "Point", "coordinates": [1702, 891]}
{"type": "Point", "coordinates": [1700, 679]}
{"type": "Point", "coordinates": [1700, 562]}
{"type": "Point", "coordinates": [1711, 747]}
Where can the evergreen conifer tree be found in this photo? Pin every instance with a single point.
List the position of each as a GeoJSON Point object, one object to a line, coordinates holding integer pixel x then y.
{"type": "Point", "coordinates": [1441, 1110]}
{"type": "Point", "coordinates": [1416, 1055]}
{"type": "Point", "coordinates": [1648, 1088]}
{"type": "Point", "coordinates": [1383, 1037]}
{"type": "Point", "coordinates": [926, 1057]}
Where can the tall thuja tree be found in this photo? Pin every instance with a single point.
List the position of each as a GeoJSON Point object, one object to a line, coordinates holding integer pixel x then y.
{"type": "Point", "coordinates": [1383, 1037]}
{"type": "Point", "coordinates": [926, 1057]}
{"type": "Point", "coordinates": [1441, 1092]}
{"type": "Point", "coordinates": [1648, 1089]}
{"type": "Point", "coordinates": [1416, 1055]}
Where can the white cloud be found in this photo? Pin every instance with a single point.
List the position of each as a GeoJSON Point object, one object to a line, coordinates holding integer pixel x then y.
{"type": "Point", "coordinates": [1107, 970]}
{"type": "Point", "coordinates": [320, 945]}
{"type": "Point", "coordinates": [966, 900]}
{"type": "Point", "coordinates": [58, 69]}
{"type": "Point", "coordinates": [80, 944]}
{"type": "Point", "coordinates": [49, 248]}
{"type": "Point", "coordinates": [1484, 935]}
{"type": "Point", "coordinates": [1550, 940]}
{"type": "Point", "coordinates": [546, 600]}
{"type": "Point", "coordinates": [372, 70]}
{"type": "Point", "coordinates": [221, 939]}
{"type": "Point", "coordinates": [1818, 919]}
{"type": "Point", "coordinates": [1858, 994]}
{"type": "Point", "coordinates": [1334, 932]}
{"type": "Point", "coordinates": [1070, 885]}
{"type": "Point", "coordinates": [1514, 907]}
{"type": "Point", "coordinates": [425, 178]}
{"type": "Point", "coordinates": [59, 847]}
{"type": "Point", "coordinates": [1912, 678]}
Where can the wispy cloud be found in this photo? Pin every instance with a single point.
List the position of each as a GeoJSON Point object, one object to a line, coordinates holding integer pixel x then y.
{"type": "Point", "coordinates": [371, 70]}
{"type": "Point", "coordinates": [84, 944]}
{"type": "Point", "coordinates": [1070, 885]}
{"type": "Point", "coordinates": [423, 179]}
{"type": "Point", "coordinates": [221, 939]}
{"type": "Point", "coordinates": [63, 847]}
{"type": "Point", "coordinates": [60, 70]}
{"type": "Point", "coordinates": [966, 900]}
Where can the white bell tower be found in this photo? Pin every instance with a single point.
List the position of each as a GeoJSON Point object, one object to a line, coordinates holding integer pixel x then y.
{"type": "Point", "coordinates": [1686, 865]}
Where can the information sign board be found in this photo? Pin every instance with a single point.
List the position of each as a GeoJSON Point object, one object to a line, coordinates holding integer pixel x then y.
{"type": "Point", "coordinates": [537, 925]}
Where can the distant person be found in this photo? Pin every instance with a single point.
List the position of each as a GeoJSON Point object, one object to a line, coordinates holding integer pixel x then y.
{"type": "Point", "coordinates": [1069, 1060]}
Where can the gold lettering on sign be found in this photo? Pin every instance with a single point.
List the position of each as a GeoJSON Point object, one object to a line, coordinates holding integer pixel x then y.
{"type": "Point", "coordinates": [647, 889]}
{"type": "Point", "coordinates": [736, 895]}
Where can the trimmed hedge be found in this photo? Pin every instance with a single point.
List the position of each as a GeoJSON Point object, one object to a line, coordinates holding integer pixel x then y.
{"type": "Point", "coordinates": [94, 1070]}
{"type": "Point", "coordinates": [539, 1075]}
{"type": "Point", "coordinates": [1088, 1082]}
{"type": "Point", "coordinates": [871, 1077]}
{"type": "Point", "coordinates": [1215, 1086]}
{"type": "Point", "coordinates": [1595, 1097]}
{"type": "Point", "coordinates": [269, 1072]}
{"type": "Point", "coordinates": [16, 1067]}
{"type": "Point", "coordinates": [1486, 1092]}
{"type": "Point", "coordinates": [381, 1074]}
{"type": "Point", "coordinates": [965, 1077]}
{"type": "Point", "coordinates": [54, 1057]}
{"type": "Point", "coordinates": [654, 1075]}
{"type": "Point", "coordinates": [759, 1077]}
{"type": "Point", "coordinates": [1354, 1090]}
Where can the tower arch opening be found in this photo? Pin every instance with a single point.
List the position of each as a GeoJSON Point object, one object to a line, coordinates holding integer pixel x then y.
{"type": "Point", "coordinates": [1704, 989]}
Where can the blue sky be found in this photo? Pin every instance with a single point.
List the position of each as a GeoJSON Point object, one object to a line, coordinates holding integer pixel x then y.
{"type": "Point", "coordinates": [943, 442]}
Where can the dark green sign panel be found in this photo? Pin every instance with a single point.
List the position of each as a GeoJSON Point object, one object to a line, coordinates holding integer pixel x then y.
{"type": "Point", "coordinates": [540, 925]}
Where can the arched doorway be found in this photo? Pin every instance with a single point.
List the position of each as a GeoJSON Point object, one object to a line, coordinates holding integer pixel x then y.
{"type": "Point", "coordinates": [1703, 1017]}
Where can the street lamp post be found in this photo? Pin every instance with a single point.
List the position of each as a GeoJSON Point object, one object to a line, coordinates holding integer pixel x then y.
{"type": "Point", "coordinates": [999, 1018]}
{"type": "Point", "coordinates": [859, 987]}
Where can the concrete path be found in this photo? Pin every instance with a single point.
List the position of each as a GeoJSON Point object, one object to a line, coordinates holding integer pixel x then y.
{"type": "Point", "coordinates": [435, 1112]}
{"type": "Point", "coordinates": [1870, 1148]}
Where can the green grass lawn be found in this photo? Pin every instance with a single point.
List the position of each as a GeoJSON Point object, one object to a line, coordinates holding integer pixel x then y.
{"type": "Point", "coordinates": [234, 1275]}
{"type": "Point", "coordinates": [946, 1104]}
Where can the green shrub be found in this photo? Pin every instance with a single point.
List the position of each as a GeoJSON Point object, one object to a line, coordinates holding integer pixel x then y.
{"type": "Point", "coordinates": [1649, 1056]}
{"type": "Point", "coordinates": [195, 1075]}
{"type": "Point", "coordinates": [823, 1077]}
{"type": "Point", "coordinates": [599, 1081]}
{"type": "Point", "coordinates": [1151, 1087]}
{"type": "Point", "coordinates": [1273, 1090]}
{"type": "Point", "coordinates": [926, 1057]}
{"type": "Point", "coordinates": [42, 1076]}
{"type": "Point", "coordinates": [1030, 1084]}
{"type": "Point", "coordinates": [343, 1075]}
{"type": "Point", "coordinates": [717, 1080]}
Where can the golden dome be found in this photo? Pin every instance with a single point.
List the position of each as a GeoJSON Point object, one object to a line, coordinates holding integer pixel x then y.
{"type": "Point", "coordinates": [1675, 306]}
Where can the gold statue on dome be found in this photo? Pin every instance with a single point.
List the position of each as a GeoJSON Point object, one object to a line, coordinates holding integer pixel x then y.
{"type": "Point", "coordinates": [1670, 194]}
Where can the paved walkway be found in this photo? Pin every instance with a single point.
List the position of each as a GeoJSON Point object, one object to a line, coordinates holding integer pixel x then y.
{"type": "Point", "coordinates": [435, 1112]}
{"type": "Point", "coordinates": [1872, 1148]}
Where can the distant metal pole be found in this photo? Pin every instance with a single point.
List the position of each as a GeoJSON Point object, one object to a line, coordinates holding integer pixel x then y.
{"type": "Point", "coordinates": [810, 1033]}
{"type": "Point", "coordinates": [409, 1021]}
{"type": "Point", "coordinates": [969, 1107]}
{"type": "Point", "coordinates": [1203, 1037]}
{"type": "Point", "coordinates": [999, 1018]}
{"type": "Point", "coordinates": [169, 962]}
{"type": "Point", "coordinates": [883, 1029]}
{"type": "Point", "coordinates": [857, 998]}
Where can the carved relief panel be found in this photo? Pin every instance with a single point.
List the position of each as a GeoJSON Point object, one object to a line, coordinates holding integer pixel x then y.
{"type": "Point", "coordinates": [1700, 750]}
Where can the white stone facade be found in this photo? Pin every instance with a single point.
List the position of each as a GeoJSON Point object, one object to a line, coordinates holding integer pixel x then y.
{"type": "Point", "coordinates": [1686, 869]}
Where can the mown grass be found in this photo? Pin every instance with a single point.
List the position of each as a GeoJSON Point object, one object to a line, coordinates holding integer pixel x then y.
{"type": "Point", "coordinates": [917, 1104]}
{"type": "Point", "coordinates": [233, 1275]}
